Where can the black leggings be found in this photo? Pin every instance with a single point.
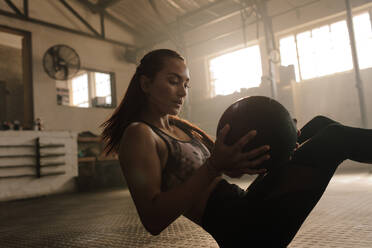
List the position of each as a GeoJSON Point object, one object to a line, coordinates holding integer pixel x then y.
{"type": "Point", "coordinates": [271, 211]}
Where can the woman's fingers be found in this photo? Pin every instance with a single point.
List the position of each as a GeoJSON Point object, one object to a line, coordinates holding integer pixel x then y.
{"type": "Point", "coordinates": [232, 157]}
{"type": "Point", "coordinates": [234, 174]}
{"type": "Point", "coordinates": [252, 164]}
{"type": "Point", "coordinates": [239, 145]}
{"type": "Point", "coordinates": [259, 160]}
{"type": "Point", "coordinates": [222, 134]}
{"type": "Point", "coordinates": [253, 171]}
{"type": "Point", "coordinates": [256, 152]}
{"type": "Point", "coordinates": [240, 172]}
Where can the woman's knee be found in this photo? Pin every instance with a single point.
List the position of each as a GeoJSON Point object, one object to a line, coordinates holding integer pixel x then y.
{"type": "Point", "coordinates": [321, 119]}
{"type": "Point", "coordinates": [335, 130]}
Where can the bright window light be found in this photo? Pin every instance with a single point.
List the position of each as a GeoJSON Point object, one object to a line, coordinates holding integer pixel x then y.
{"type": "Point", "coordinates": [80, 94]}
{"type": "Point", "coordinates": [326, 50]}
{"type": "Point", "coordinates": [363, 34]}
{"type": "Point", "coordinates": [236, 70]}
{"type": "Point", "coordinates": [289, 54]}
{"type": "Point", "coordinates": [341, 59]}
{"type": "Point", "coordinates": [89, 88]}
{"type": "Point", "coordinates": [103, 86]}
{"type": "Point", "coordinates": [306, 55]}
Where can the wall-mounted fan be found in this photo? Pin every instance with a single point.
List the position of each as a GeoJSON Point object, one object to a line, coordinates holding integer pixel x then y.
{"type": "Point", "coordinates": [61, 62]}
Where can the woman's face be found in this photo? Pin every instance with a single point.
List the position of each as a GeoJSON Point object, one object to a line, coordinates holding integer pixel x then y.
{"type": "Point", "coordinates": [166, 92]}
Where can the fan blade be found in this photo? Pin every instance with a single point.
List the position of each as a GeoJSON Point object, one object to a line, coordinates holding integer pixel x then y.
{"type": "Point", "coordinates": [61, 62]}
{"type": "Point", "coordinates": [65, 72]}
{"type": "Point", "coordinates": [54, 54]}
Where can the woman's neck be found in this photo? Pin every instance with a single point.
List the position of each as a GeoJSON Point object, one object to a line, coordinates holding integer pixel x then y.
{"type": "Point", "coordinates": [160, 121]}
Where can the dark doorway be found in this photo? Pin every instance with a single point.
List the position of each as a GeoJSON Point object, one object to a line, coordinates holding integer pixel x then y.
{"type": "Point", "coordinates": [16, 96]}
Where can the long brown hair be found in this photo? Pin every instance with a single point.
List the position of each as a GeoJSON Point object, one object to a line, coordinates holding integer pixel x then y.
{"type": "Point", "coordinates": [135, 99]}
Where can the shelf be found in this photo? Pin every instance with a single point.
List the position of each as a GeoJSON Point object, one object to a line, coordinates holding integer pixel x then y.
{"type": "Point", "coordinates": [108, 158]}
{"type": "Point", "coordinates": [17, 176]}
{"type": "Point", "coordinates": [47, 155]}
{"type": "Point", "coordinates": [52, 164]}
{"type": "Point", "coordinates": [17, 166]}
{"type": "Point", "coordinates": [53, 174]}
{"type": "Point", "coordinates": [18, 156]}
{"type": "Point", "coordinates": [89, 139]}
{"type": "Point", "coordinates": [16, 146]}
{"type": "Point", "coordinates": [86, 159]}
{"type": "Point", "coordinates": [100, 158]}
{"type": "Point", "coordinates": [52, 146]}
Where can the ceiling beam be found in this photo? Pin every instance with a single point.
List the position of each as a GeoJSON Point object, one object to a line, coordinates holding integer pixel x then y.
{"type": "Point", "coordinates": [13, 7]}
{"type": "Point", "coordinates": [238, 29]}
{"type": "Point", "coordinates": [161, 38]}
{"type": "Point", "coordinates": [62, 28]}
{"type": "Point", "coordinates": [103, 4]}
{"type": "Point", "coordinates": [25, 8]}
{"type": "Point", "coordinates": [174, 27]}
{"type": "Point", "coordinates": [198, 11]}
{"type": "Point", "coordinates": [76, 14]}
{"type": "Point", "coordinates": [95, 9]}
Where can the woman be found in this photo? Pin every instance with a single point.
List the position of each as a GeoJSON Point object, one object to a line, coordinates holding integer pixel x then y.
{"type": "Point", "coordinates": [173, 168]}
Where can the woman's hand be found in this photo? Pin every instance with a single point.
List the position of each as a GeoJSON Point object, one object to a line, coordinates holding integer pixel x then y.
{"type": "Point", "coordinates": [230, 159]}
{"type": "Point", "coordinates": [298, 135]}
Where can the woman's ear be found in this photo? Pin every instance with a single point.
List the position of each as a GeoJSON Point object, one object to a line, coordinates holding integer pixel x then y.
{"type": "Point", "coordinates": [145, 83]}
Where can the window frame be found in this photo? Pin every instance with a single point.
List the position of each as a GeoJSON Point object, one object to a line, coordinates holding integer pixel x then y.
{"type": "Point", "coordinates": [329, 20]}
{"type": "Point", "coordinates": [211, 93]}
{"type": "Point", "coordinates": [91, 88]}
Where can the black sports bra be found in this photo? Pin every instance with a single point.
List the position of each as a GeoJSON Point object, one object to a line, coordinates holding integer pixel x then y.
{"type": "Point", "coordinates": [184, 157]}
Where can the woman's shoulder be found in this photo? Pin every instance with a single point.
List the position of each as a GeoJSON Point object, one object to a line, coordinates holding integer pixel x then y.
{"type": "Point", "coordinates": [137, 136]}
{"type": "Point", "coordinates": [137, 125]}
{"type": "Point", "coordinates": [137, 130]}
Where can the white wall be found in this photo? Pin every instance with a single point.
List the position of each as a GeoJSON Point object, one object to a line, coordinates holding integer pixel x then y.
{"type": "Point", "coordinates": [11, 40]}
{"type": "Point", "coordinates": [31, 186]}
{"type": "Point", "coordinates": [95, 54]}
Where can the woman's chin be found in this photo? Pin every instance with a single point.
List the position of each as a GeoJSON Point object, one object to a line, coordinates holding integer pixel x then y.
{"type": "Point", "coordinates": [175, 111]}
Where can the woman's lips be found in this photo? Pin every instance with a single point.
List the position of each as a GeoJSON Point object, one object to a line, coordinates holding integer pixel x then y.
{"type": "Point", "coordinates": [178, 104]}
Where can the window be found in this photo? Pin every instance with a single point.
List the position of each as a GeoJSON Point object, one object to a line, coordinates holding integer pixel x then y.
{"type": "Point", "coordinates": [88, 88]}
{"type": "Point", "coordinates": [236, 70]}
{"type": "Point", "coordinates": [80, 91]}
{"type": "Point", "coordinates": [363, 34]}
{"type": "Point", "coordinates": [326, 50]}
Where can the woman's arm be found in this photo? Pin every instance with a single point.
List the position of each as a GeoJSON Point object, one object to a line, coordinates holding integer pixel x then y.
{"type": "Point", "coordinates": [142, 169]}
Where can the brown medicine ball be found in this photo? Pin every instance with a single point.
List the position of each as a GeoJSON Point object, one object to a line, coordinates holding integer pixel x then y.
{"type": "Point", "coordinates": [274, 125]}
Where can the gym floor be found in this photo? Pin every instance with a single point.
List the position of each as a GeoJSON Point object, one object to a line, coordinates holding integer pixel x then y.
{"type": "Point", "coordinates": [342, 218]}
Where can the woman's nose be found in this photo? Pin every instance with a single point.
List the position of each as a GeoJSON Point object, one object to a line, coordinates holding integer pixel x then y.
{"type": "Point", "coordinates": [182, 91]}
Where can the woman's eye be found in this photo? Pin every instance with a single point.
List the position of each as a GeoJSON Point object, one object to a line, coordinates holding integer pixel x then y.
{"type": "Point", "coordinates": [175, 82]}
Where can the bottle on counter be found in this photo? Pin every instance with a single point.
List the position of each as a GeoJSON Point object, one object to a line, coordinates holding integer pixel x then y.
{"type": "Point", "coordinates": [5, 125]}
{"type": "Point", "coordinates": [17, 125]}
{"type": "Point", "coordinates": [38, 125]}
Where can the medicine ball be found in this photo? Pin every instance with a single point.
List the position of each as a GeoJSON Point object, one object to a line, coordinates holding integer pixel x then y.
{"type": "Point", "coordinates": [274, 125]}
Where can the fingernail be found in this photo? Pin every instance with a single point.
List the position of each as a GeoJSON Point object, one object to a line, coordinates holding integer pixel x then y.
{"type": "Point", "coordinates": [267, 157]}
{"type": "Point", "coordinates": [267, 148]}
{"type": "Point", "coordinates": [254, 132]}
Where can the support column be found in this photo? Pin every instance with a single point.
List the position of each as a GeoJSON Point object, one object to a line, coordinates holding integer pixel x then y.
{"type": "Point", "coordinates": [270, 45]}
{"type": "Point", "coordinates": [358, 80]}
